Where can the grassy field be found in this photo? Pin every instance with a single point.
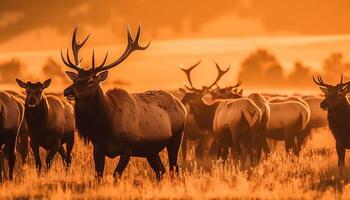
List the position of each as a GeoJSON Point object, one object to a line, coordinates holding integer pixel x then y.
{"type": "Point", "coordinates": [313, 175]}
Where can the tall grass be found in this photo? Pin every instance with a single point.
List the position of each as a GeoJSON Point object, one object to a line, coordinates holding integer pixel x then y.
{"type": "Point", "coordinates": [313, 175]}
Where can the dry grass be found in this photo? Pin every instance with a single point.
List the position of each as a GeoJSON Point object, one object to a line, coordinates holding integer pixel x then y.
{"type": "Point", "coordinates": [313, 175]}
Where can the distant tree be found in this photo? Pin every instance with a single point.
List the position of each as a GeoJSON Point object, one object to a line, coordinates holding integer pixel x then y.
{"type": "Point", "coordinates": [334, 65]}
{"type": "Point", "coordinates": [261, 68]}
{"type": "Point", "coordinates": [10, 70]}
{"type": "Point", "coordinates": [301, 76]}
{"type": "Point", "coordinates": [54, 70]}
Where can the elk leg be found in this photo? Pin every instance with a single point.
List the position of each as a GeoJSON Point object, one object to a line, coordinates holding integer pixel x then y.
{"type": "Point", "coordinates": [184, 149]}
{"type": "Point", "coordinates": [341, 155]}
{"type": "Point", "coordinates": [63, 155]}
{"type": "Point", "coordinates": [173, 150]}
{"type": "Point", "coordinates": [69, 147]}
{"type": "Point", "coordinates": [99, 160]}
{"type": "Point", "coordinates": [2, 164]}
{"type": "Point", "coordinates": [123, 162]}
{"type": "Point", "coordinates": [35, 149]}
{"type": "Point", "coordinates": [23, 144]}
{"type": "Point", "coordinates": [156, 163]}
{"type": "Point", "coordinates": [11, 145]}
{"type": "Point", "coordinates": [51, 154]}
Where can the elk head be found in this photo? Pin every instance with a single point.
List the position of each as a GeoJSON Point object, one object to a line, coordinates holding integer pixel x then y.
{"type": "Point", "coordinates": [34, 91]}
{"type": "Point", "coordinates": [334, 94]}
{"type": "Point", "coordinates": [87, 82]}
{"type": "Point", "coordinates": [193, 95]}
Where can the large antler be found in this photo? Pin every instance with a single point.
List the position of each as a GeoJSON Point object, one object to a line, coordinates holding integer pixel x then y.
{"type": "Point", "coordinates": [133, 45]}
{"type": "Point", "coordinates": [320, 82]}
{"type": "Point", "coordinates": [188, 75]}
{"type": "Point", "coordinates": [75, 48]}
{"type": "Point", "coordinates": [220, 74]}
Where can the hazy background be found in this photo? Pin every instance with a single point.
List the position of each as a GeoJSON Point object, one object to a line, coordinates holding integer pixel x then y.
{"type": "Point", "coordinates": [270, 44]}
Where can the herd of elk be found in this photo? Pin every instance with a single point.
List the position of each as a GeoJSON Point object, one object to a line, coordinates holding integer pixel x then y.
{"type": "Point", "coordinates": [119, 123]}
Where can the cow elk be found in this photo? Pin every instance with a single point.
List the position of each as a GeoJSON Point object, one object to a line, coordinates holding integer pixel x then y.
{"type": "Point", "coordinates": [50, 121]}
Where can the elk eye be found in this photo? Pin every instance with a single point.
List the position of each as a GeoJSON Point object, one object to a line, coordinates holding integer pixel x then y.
{"type": "Point", "coordinates": [90, 82]}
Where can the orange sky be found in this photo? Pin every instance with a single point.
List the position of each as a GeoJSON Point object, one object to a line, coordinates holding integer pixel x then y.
{"type": "Point", "coordinates": [181, 32]}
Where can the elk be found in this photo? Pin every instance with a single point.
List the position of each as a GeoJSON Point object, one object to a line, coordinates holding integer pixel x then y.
{"type": "Point", "coordinates": [338, 114]}
{"type": "Point", "coordinates": [122, 124]}
{"type": "Point", "coordinates": [239, 119]}
{"type": "Point", "coordinates": [50, 121]}
{"type": "Point", "coordinates": [263, 104]}
{"type": "Point", "coordinates": [22, 144]}
{"type": "Point", "coordinates": [12, 112]}
{"type": "Point", "coordinates": [300, 139]}
{"type": "Point", "coordinates": [200, 116]}
{"type": "Point", "coordinates": [288, 120]}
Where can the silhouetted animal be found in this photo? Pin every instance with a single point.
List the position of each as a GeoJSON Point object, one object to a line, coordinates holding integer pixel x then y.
{"type": "Point", "coordinates": [338, 108]}
{"type": "Point", "coordinates": [22, 145]}
{"type": "Point", "coordinates": [195, 128]}
{"type": "Point", "coordinates": [50, 121]}
{"type": "Point", "coordinates": [120, 123]}
{"type": "Point", "coordinates": [11, 117]}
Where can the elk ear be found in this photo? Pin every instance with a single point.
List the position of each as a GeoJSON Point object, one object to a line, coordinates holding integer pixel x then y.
{"type": "Point", "coordinates": [102, 76]}
{"type": "Point", "coordinates": [46, 83]}
{"type": "Point", "coordinates": [182, 90]}
{"type": "Point", "coordinates": [324, 90]}
{"type": "Point", "coordinates": [71, 75]}
{"type": "Point", "coordinates": [21, 83]}
{"type": "Point", "coordinates": [240, 92]}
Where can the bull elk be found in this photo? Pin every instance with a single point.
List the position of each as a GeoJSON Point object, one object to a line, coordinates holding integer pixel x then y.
{"type": "Point", "coordinates": [200, 116]}
{"type": "Point", "coordinates": [50, 121]}
{"type": "Point", "coordinates": [338, 108]}
{"type": "Point", "coordinates": [119, 123]}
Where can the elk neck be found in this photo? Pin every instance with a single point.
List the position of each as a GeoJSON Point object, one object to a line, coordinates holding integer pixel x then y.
{"type": "Point", "coordinates": [339, 118]}
{"type": "Point", "coordinates": [37, 117]}
{"type": "Point", "coordinates": [204, 115]}
{"type": "Point", "coordinates": [94, 115]}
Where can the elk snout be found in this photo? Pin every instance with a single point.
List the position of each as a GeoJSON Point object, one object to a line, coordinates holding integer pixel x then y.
{"type": "Point", "coordinates": [31, 102]}
{"type": "Point", "coordinates": [70, 93]}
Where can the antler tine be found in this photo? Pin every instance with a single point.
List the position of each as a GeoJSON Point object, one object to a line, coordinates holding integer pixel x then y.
{"type": "Point", "coordinates": [220, 73]}
{"type": "Point", "coordinates": [320, 82]}
{"type": "Point", "coordinates": [133, 45]}
{"type": "Point", "coordinates": [76, 46]}
{"type": "Point", "coordinates": [341, 79]}
{"type": "Point", "coordinates": [75, 49]}
{"type": "Point", "coordinates": [188, 72]}
{"type": "Point", "coordinates": [93, 59]}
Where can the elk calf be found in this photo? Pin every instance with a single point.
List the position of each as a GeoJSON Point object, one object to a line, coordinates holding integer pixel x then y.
{"type": "Point", "coordinates": [50, 121]}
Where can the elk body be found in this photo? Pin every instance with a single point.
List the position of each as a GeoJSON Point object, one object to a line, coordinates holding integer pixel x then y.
{"type": "Point", "coordinates": [122, 124]}
{"type": "Point", "coordinates": [239, 119]}
{"type": "Point", "coordinates": [50, 121]}
{"type": "Point", "coordinates": [22, 144]}
{"type": "Point", "coordinates": [338, 114]}
{"type": "Point", "coordinates": [11, 113]}
{"type": "Point", "coordinates": [288, 120]}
